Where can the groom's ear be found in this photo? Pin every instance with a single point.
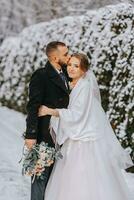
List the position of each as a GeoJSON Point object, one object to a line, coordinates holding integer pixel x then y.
{"type": "Point", "coordinates": [52, 57]}
{"type": "Point", "coordinates": [55, 57]}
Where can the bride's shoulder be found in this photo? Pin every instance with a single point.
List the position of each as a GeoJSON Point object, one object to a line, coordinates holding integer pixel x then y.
{"type": "Point", "coordinates": [85, 82]}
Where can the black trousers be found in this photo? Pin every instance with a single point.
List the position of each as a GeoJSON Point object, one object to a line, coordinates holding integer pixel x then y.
{"type": "Point", "coordinates": [38, 186]}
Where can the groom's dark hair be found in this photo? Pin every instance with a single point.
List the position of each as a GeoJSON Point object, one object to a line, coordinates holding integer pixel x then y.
{"type": "Point", "coordinates": [52, 46]}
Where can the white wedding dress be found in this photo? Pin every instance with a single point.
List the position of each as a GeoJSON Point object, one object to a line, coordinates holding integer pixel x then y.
{"type": "Point", "coordinates": [92, 156]}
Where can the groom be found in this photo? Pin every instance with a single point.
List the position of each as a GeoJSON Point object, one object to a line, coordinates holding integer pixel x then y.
{"type": "Point", "coordinates": [48, 86]}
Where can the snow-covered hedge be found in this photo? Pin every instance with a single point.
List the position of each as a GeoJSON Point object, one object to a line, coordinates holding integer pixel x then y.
{"type": "Point", "coordinates": [106, 35]}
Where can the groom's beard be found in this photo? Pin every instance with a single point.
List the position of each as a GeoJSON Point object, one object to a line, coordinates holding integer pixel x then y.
{"type": "Point", "coordinates": [62, 64]}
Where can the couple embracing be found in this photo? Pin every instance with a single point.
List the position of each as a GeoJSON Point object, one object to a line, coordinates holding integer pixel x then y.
{"type": "Point", "coordinates": [65, 96]}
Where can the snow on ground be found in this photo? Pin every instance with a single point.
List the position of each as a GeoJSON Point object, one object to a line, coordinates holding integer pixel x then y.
{"type": "Point", "coordinates": [13, 185]}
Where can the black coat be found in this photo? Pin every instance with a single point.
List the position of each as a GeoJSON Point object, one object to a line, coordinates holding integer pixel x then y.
{"type": "Point", "coordinates": [46, 88]}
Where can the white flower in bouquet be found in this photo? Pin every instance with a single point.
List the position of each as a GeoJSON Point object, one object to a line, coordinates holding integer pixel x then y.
{"type": "Point", "coordinates": [38, 158]}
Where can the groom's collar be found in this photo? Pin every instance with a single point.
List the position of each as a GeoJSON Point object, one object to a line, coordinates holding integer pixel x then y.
{"type": "Point", "coordinates": [51, 69]}
{"type": "Point", "coordinates": [54, 76]}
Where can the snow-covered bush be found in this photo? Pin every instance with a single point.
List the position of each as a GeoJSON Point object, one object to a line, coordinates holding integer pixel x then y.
{"type": "Point", "coordinates": [15, 15]}
{"type": "Point", "coordinates": [106, 35]}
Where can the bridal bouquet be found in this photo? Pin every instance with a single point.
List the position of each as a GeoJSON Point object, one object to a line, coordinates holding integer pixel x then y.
{"type": "Point", "coordinates": [38, 158]}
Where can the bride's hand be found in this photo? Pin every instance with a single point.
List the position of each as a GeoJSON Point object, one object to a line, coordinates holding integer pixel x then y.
{"type": "Point", "coordinates": [43, 110]}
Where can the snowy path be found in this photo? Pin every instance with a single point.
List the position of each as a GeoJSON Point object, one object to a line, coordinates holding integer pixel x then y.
{"type": "Point", "coordinates": [13, 186]}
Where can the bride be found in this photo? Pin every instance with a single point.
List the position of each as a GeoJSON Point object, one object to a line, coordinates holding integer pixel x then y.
{"type": "Point", "coordinates": [92, 156]}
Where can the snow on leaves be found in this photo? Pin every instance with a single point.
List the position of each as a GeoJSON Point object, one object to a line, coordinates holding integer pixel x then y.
{"type": "Point", "coordinates": [106, 35]}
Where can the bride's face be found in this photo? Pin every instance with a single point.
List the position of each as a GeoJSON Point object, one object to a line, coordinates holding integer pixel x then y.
{"type": "Point", "coordinates": [73, 68]}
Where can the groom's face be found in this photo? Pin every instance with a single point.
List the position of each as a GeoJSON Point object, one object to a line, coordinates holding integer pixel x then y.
{"type": "Point", "coordinates": [62, 55]}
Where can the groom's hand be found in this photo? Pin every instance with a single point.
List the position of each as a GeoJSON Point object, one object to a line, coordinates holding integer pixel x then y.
{"type": "Point", "coordinates": [29, 143]}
